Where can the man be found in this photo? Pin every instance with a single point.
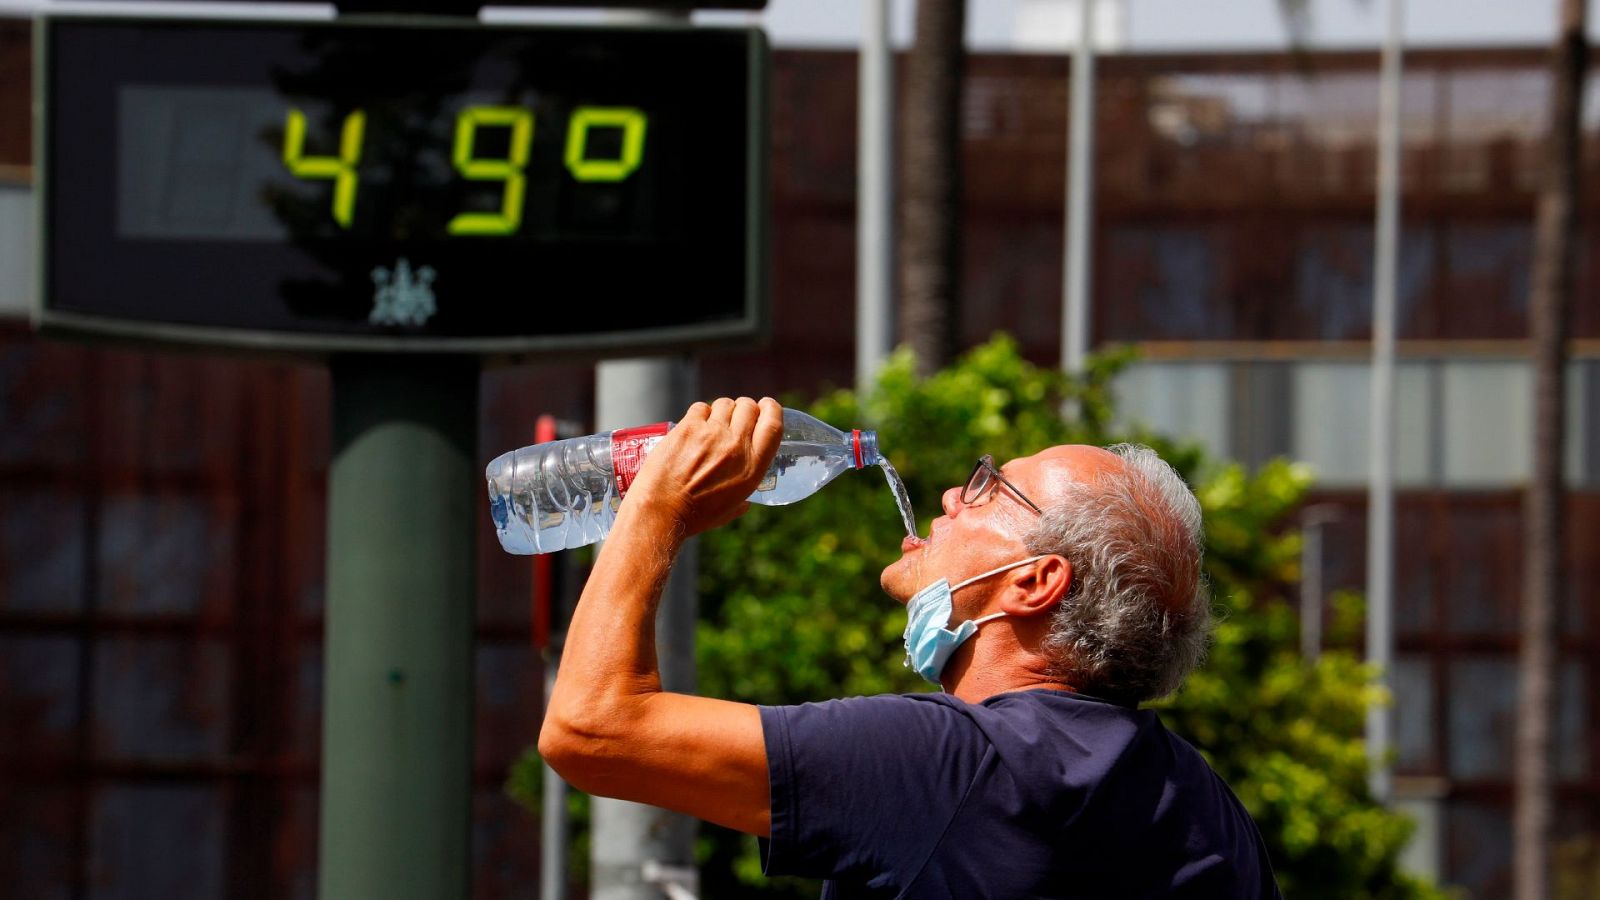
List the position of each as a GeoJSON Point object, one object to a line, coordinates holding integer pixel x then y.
{"type": "Point", "coordinates": [1053, 595]}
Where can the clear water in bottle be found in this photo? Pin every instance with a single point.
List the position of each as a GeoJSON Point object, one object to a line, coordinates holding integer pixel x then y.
{"type": "Point", "coordinates": [553, 496]}
{"type": "Point", "coordinates": [812, 454]}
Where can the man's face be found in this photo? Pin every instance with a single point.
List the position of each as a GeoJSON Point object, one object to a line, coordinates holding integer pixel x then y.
{"type": "Point", "coordinates": [973, 538]}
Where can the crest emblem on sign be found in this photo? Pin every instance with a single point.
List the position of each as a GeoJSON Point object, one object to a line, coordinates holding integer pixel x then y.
{"type": "Point", "coordinates": [402, 297]}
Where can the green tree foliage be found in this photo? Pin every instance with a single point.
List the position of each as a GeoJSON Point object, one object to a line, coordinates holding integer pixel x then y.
{"type": "Point", "coordinates": [791, 611]}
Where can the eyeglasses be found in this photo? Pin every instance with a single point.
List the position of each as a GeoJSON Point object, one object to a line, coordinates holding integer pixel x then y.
{"type": "Point", "coordinates": [984, 475]}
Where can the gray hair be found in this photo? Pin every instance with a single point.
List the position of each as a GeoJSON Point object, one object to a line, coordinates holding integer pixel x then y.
{"type": "Point", "coordinates": [1137, 618]}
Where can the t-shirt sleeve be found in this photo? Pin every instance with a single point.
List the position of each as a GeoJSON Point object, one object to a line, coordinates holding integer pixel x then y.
{"type": "Point", "coordinates": [865, 786]}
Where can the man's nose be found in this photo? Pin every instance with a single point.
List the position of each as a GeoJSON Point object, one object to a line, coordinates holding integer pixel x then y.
{"type": "Point", "coordinates": [951, 501]}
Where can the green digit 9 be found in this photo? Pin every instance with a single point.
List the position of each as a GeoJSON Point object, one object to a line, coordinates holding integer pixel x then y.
{"type": "Point", "coordinates": [632, 122]}
{"type": "Point", "coordinates": [341, 169]}
{"type": "Point", "coordinates": [509, 170]}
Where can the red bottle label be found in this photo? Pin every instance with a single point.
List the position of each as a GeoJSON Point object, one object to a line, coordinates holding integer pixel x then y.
{"type": "Point", "coordinates": [628, 449]}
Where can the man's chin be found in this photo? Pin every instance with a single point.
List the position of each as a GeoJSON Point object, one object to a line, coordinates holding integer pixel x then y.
{"type": "Point", "coordinates": [894, 578]}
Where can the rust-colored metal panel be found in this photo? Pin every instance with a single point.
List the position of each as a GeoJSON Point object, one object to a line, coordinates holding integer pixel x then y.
{"type": "Point", "coordinates": [16, 94]}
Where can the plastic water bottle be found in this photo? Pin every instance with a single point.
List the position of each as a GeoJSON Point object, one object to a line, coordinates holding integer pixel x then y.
{"type": "Point", "coordinates": [564, 494]}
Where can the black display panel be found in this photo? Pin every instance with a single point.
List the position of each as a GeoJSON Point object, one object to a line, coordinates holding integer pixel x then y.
{"type": "Point", "coordinates": [323, 186]}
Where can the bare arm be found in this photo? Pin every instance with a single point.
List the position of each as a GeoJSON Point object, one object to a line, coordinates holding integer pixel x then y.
{"type": "Point", "coordinates": [610, 729]}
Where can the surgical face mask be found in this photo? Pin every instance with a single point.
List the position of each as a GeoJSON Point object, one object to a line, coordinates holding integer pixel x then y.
{"type": "Point", "coordinates": [929, 641]}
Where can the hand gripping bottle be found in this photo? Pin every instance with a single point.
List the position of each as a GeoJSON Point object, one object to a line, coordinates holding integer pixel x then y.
{"type": "Point", "coordinates": [564, 494]}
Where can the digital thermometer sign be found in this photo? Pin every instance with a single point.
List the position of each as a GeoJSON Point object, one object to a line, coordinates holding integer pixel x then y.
{"type": "Point", "coordinates": [323, 187]}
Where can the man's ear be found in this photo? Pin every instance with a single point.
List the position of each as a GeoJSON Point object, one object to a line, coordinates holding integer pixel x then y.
{"type": "Point", "coordinates": [1039, 588]}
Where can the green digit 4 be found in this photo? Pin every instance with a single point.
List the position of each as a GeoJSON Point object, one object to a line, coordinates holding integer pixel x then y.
{"type": "Point", "coordinates": [509, 170]}
{"type": "Point", "coordinates": [340, 169]}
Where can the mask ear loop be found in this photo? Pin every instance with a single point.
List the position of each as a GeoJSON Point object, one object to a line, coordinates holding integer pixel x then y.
{"type": "Point", "coordinates": [975, 578]}
{"type": "Point", "coordinates": [992, 616]}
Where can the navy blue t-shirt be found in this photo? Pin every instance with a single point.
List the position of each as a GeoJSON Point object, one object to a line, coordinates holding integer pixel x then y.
{"type": "Point", "coordinates": [1029, 794]}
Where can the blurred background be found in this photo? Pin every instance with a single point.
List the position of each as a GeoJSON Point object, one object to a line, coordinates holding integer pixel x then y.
{"type": "Point", "coordinates": [162, 516]}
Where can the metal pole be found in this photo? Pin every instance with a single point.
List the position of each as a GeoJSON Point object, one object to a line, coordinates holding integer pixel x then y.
{"type": "Point", "coordinates": [630, 838]}
{"type": "Point", "coordinates": [398, 689]}
{"type": "Point", "coordinates": [1380, 507]}
{"type": "Point", "coordinates": [1311, 592]}
{"type": "Point", "coordinates": [554, 843]}
{"type": "Point", "coordinates": [874, 197]}
{"type": "Point", "coordinates": [1080, 199]}
{"type": "Point", "coordinates": [1313, 520]}
{"type": "Point", "coordinates": [548, 634]}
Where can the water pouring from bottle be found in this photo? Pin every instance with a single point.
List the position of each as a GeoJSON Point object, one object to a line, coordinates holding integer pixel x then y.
{"type": "Point", "coordinates": [902, 498]}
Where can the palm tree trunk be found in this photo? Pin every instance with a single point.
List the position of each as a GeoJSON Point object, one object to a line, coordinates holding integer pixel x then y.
{"type": "Point", "coordinates": [1554, 245]}
{"type": "Point", "coordinates": [930, 228]}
